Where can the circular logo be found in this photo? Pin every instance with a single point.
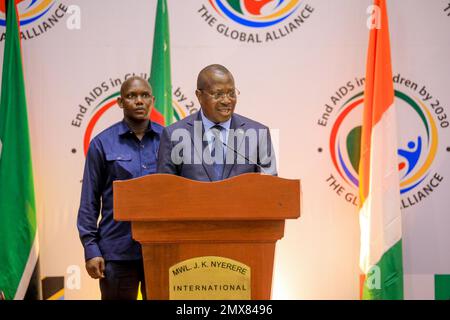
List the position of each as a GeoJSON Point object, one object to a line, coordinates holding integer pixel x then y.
{"type": "Point", "coordinates": [417, 145]}
{"type": "Point", "coordinates": [255, 13]}
{"type": "Point", "coordinates": [29, 11]}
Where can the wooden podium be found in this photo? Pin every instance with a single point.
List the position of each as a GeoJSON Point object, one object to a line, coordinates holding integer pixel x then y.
{"type": "Point", "coordinates": [176, 219]}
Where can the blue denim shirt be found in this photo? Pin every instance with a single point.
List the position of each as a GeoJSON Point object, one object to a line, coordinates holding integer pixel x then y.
{"type": "Point", "coordinates": [114, 154]}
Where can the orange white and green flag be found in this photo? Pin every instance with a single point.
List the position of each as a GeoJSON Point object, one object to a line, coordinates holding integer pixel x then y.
{"type": "Point", "coordinates": [380, 215]}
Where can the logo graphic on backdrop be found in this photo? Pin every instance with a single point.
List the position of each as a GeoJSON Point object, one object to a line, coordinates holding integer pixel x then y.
{"type": "Point", "coordinates": [36, 17]}
{"type": "Point", "coordinates": [99, 109]}
{"type": "Point", "coordinates": [422, 119]}
{"type": "Point", "coordinates": [255, 21]}
{"type": "Point", "coordinates": [447, 9]}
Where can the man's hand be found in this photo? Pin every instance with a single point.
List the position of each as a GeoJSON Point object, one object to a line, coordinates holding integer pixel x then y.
{"type": "Point", "coordinates": [96, 267]}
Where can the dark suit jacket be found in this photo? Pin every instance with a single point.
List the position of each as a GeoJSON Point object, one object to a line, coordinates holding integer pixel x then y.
{"type": "Point", "coordinates": [184, 152]}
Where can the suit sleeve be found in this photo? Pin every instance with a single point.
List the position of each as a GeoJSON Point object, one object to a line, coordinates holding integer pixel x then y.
{"type": "Point", "coordinates": [90, 203]}
{"type": "Point", "coordinates": [165, 164]}
{"type": "Point", "coordinates": [266, 153]}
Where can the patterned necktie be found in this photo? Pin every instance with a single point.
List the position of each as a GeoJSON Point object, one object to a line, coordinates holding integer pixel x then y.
{"type": "Point", "coordinates": [217, 149]}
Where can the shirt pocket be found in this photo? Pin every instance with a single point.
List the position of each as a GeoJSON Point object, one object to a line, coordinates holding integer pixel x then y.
{"type": "Point", "coordinates": [119, 166]}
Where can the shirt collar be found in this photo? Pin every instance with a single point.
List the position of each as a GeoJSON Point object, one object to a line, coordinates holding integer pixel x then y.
{"type": "Point", "coordinates": [125, 129]}
{"type": "Point", "coordinates": [208, 124]}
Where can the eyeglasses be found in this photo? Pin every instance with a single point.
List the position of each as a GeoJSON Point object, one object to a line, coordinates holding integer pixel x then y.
{"type": "Point", "coordinates": [220, 95]}
{"type": "Point", "coordinates": [134, 96]}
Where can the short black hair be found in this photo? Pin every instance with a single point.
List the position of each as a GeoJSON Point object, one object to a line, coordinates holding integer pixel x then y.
{"type": "Point", "coordinates": [202, 78]}
{"type": "Point", "coordinates": [127, 82]}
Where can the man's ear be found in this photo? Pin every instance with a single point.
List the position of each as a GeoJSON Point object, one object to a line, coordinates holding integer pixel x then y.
{"type": "Point", "coordinates": [120, 102]}
{"type": "Point", "coordinates": [198, 93]}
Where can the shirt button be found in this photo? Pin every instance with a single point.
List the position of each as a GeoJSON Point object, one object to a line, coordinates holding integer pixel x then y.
{"type": "Point", "coordinates": [119, 158]}
{"type": "Point", "coordinates": [142, 146]}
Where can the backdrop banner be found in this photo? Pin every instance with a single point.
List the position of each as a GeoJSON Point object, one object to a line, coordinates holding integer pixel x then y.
{"type": "Point", "coordinates": [300, 67]}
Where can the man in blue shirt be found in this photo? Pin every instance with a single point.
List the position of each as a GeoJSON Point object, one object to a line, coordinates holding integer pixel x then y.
{"type": "Point", "coordinates": [127, 149]}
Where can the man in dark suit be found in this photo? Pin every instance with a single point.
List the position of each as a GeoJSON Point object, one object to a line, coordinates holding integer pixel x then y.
{"type": "Point", "coordinates": [215, 143]}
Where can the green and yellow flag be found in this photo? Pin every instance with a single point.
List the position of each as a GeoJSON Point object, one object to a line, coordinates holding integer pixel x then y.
{"type": "Point", "coordinates": [18, 227]}
{"type": "Point", "coordinates": [160, 74]}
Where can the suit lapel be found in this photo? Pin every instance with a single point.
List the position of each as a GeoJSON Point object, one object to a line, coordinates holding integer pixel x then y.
{"type": "Point", "coordinates": [233, 148]}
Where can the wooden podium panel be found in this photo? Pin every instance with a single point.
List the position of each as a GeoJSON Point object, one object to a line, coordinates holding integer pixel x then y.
{"type": "Point", "coordinates": [258, 256]}
{"type": "Point", "coordinates": [176, 219]}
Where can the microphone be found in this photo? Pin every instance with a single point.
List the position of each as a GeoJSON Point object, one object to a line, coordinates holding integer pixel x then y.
{"type": "Point", "coordinates": [263, 170]}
